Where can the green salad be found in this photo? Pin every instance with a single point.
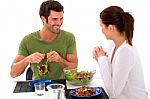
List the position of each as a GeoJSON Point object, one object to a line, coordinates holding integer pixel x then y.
{"type": "Point", "coordinates": [78, 78]}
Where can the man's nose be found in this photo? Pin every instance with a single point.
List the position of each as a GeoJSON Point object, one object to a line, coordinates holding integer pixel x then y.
{"type": "Point", "coordinates": [59, 22]}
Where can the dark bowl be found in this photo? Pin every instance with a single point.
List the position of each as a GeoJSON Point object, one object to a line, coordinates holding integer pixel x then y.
{"type": "Point", "coordinates": [97, 94]}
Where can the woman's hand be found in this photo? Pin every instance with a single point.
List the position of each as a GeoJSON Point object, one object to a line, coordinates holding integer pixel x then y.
{"type": "Point", "coordinates": [98, 52]}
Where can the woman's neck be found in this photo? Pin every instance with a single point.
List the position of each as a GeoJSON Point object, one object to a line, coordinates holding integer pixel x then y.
{"type": "Point", "coordinates": [118, 41]}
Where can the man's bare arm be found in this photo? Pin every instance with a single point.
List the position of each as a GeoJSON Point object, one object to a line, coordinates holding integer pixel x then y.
{"type": "Point", "coordinates": [71, 61]}
{"type": "Point", "coordinates": [18, 66]}
{"type": "Point", "coordinates": [21, 62]}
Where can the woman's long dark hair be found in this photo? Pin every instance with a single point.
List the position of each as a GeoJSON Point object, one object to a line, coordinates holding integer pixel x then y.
{"type": "Point", "coordinates": [123, 21]}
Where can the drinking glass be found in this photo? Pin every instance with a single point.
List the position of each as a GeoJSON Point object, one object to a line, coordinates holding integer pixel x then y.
{"type": "Point", "coordinates": [56, 90]}
{"type": "Point", "coordinates": [39, 88]}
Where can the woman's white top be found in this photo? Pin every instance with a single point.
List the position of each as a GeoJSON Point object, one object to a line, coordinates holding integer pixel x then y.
{"type": "Point", "coordinates": [123, 78]}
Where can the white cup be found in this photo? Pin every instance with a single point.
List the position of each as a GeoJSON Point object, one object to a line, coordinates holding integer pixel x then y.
{"type": "Point", "coordinates": [56, 90]}
{"type": "Point", "coordinates": [39, 88]}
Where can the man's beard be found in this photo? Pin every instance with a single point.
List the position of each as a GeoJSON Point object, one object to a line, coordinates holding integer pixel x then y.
{"type": "Point", "coordinates": [54, 30]}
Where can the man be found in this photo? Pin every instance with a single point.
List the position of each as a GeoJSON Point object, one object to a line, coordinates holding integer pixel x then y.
{"type": "Point", "coordinates": [51, 46]}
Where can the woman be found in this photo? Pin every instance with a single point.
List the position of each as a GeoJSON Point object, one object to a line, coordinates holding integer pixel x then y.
{"type": "Point", "coordinates": [120, 68]}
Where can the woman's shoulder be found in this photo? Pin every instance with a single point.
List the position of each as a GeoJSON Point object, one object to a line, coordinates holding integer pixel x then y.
{"type": "Point", "coordinates": [129, 48]}
{"type": "Point", "coordinates": [129, 51]}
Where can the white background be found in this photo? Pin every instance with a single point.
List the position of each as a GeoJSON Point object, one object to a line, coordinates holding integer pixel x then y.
{"type": "Point", "coordinates": [20, 17]}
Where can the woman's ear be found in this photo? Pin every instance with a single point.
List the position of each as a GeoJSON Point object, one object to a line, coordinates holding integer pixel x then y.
{"type": "Point", "coordinates": [111, 27]}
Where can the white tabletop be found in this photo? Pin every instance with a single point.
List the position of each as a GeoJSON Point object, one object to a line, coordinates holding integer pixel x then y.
{"type": "Point", "coordinates": [96, 82]}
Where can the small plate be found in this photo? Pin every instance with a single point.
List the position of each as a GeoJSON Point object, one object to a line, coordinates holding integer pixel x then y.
{"type": "Point", "coordinates": [95, 96]}
{"type": "Point", "coordinates": [47, 82]}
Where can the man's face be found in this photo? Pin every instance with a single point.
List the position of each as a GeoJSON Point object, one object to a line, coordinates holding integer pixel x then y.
{"type": "Point", "coordinates": [55, 20]}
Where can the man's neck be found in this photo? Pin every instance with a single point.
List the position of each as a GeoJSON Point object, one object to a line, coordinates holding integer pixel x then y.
{"type": "Point", "coordinates": [47, 35]}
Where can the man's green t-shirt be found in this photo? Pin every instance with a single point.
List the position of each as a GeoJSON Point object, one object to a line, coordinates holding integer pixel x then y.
{"type": "Point", "coordinates": [64, 44]}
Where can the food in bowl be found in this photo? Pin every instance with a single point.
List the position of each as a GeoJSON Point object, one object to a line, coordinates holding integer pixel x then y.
{"type": "Point", "coordinates": [79, 76]}
{"type": "Point", "coordinates": [85, 92]}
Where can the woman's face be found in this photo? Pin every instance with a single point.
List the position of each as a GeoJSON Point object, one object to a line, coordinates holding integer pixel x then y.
{"type": "Point", "coordinates": [105, 29]}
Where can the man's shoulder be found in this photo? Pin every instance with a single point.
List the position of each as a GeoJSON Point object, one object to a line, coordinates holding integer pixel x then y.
{"type": "Point", "coordinates": [66, 33]}
{"type": "Point", "coordinates": [31, 35]}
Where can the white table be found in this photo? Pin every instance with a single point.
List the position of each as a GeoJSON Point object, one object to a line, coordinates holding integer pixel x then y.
{"type": "Point", "coordinates": [96, 82]}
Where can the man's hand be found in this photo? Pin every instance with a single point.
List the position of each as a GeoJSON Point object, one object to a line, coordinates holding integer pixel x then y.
{"type": "Point", "coordinates": [35, 57]}
{"type": "Point", "coordinates": [53, 56]}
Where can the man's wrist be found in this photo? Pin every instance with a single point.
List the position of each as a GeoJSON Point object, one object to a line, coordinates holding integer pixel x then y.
{"type": "Point", "coordinates": [27, 61]}
{"type": "Point", "coordinates": [62, 60]}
